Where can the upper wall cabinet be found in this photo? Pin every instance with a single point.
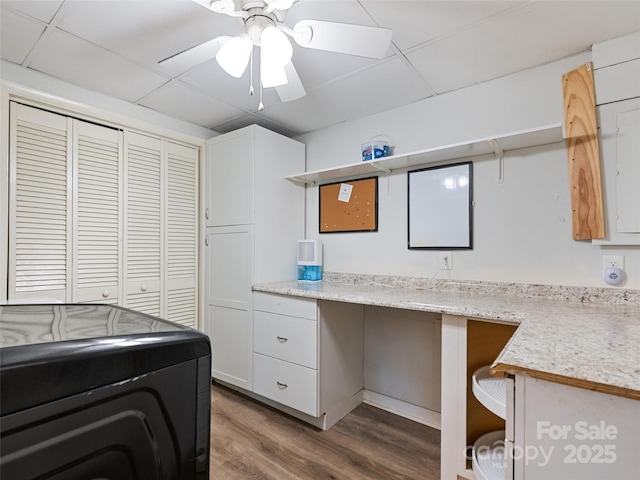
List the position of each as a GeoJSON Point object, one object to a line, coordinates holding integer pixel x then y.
{"type": "Point", "coordinates": [617, 69]}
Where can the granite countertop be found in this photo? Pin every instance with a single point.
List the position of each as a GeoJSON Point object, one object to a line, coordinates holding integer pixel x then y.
{"type": "Point", "coordinates": [585, 337]}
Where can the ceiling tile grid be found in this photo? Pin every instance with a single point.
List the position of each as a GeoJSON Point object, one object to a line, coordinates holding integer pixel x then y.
{"type": "Point", "coordinates": [113, 47]}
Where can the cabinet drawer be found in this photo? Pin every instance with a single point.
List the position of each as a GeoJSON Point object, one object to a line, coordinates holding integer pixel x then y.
{"type": "Point", "coordinates": [286, 383]}
{"type": "Point", "coordinates": [292, 339]}
{"type": "Point", "coordinates": [285, 305]}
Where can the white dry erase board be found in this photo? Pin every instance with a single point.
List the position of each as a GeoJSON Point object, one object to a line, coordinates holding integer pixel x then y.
{"type": "Point", "coordinates": [440, 207]}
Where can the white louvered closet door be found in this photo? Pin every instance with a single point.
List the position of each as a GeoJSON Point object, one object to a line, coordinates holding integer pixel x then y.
{"type": "Point", "coordinates": [182, 234]}
{"type": "Point", "coordinates": [144, 255]}
{"type": "Point", "coordinates": [96, 208]}
{"type": "Point", "coordinates": [40, 200]}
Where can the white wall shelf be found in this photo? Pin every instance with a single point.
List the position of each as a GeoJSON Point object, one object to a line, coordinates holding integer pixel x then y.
{"type": "Point", "coordinates": [490, 145]}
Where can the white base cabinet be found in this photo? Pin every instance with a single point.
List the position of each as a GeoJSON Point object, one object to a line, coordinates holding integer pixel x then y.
{"type": "Point", "coordinates": [556, 431]}
{"type": "Point", "coordinates": [308, 356]}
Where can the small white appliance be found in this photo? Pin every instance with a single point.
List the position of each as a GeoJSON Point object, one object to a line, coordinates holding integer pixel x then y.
{"type": "Point", "coordinates": [309, 260]}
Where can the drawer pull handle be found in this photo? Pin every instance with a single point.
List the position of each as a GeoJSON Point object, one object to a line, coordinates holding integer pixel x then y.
{"type": "Point", "coordinates": [282, 385]}
{"type": "Point", "coordinates": [282, 339]}
{"type": "Point", "coordinates": [105, 294]}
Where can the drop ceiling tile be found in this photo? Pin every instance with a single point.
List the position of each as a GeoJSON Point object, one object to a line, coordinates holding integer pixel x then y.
{"type": "Point", "coordinates": [316, 67]}
{"type": "Point", "coordinates": [512, 42]}
{"type": "Point", "coordinates": [343, 11]}
{"type": "Point", "coordinates": [42, 10]}
{"type": "Point", "coordinates": [185, 103]}
{"type": "Point", "coordinates": [147, 31]}
{"type": "Point", "coordinates": [209, 78]}
{"type": "Point", "coordinates": [18, 35]}
{"type": "Point", "coordinates": [387, 85]}
{"type": "Point", "coordinates": [81, 63]}
{"type": "Point", "coordinates": [416, 22]}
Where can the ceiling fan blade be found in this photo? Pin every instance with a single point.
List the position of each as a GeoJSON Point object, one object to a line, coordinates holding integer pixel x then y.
{"type": "Point", "coordinates": [228, 7]}
{"type": "Point", "coordinates": [293, 89]}
{"type": "Point", "coordinates": [183, 61]}
{"type": "Point", "coordinates": [361, 40]}
{"type": "Point", "coordinates": [277, 5]}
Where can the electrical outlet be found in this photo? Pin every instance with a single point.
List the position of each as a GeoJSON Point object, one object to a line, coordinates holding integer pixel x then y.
{"type": "Point", "coordinates": [612, 261]}
{"type": "Point", "coordinates": [446, 261]}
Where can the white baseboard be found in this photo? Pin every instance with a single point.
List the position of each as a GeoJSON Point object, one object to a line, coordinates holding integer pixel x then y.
{"type": "Point", "coordinates": [403, 409]}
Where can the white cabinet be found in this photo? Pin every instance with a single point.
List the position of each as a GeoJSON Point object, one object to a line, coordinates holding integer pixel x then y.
{"type": "Point", "coordinates": [617, 69]}
{"type": "Point", "coordinates": [254, 217]}
{"type": "Point", "coordinates": [467, 346]}
{"type": "Point", "coordinates": [559, 431]}
{"type": "Point", "coordinates": [620, 149]}
{"type": "Point", "coordinates": [285, 358]}
{"type": "Point", "coordinates": [308, 355]}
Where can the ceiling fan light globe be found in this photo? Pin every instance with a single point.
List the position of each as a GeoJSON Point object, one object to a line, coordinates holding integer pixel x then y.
{"type": "Point", "coordinates": [234, 55]}
{"type": "Point", "coordinates": [275, 46]}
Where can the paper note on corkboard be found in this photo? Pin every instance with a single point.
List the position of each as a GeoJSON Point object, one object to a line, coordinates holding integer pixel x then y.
{"type": "Point", "coordinates": [349, 206]}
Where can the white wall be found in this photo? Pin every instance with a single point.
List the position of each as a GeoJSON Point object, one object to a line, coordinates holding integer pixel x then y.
{"type": "Point", "coordinates": [522, 227]}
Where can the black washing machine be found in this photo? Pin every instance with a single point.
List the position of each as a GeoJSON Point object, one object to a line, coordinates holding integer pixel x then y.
{"type": "Point", "coordinates": [101, 392]}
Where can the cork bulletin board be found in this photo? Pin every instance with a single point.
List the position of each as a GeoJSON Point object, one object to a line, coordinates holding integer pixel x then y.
{"type": "Point", "coordinates": [349, 206]}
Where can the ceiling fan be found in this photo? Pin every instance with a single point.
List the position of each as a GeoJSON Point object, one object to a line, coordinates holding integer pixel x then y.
{"type": "Point", "coordinates": [263, 27]}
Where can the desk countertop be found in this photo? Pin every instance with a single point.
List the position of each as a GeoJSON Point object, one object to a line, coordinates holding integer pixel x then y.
{"type": "Point", "coordinates": [585, 337]}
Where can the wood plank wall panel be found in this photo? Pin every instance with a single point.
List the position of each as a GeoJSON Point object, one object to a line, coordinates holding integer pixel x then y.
{"type": "Point", "coordinates": [583, 153]}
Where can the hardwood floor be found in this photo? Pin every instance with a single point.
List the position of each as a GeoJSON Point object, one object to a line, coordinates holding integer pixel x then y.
{"type": "Point", "coordinates": [250, 440]}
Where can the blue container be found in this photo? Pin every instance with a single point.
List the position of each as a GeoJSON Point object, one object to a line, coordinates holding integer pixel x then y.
{"type": "Point", "coordinates": [309, 273]}
{"type": "Point", "coordinates": [375, 149]}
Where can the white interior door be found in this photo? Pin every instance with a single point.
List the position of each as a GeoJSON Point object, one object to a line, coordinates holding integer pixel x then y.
{"type": "Point", "coordinates": [182, 234]}
{"type": "Point", "coordinates": [40, 204]}
{"type": "Point", "coordinates": [143, 225]}
{"type": "Point", "coordinates": [97, 161]}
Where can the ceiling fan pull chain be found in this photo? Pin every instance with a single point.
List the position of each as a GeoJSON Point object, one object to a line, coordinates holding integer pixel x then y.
{"type": "Point", "coordinates": [260, 105]}
{"type": "Point", "coordinates": [251, 72]}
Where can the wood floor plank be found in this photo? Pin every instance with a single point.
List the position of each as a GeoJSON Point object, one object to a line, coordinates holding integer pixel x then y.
{"type": "Point", "coordinates": [250, 440]}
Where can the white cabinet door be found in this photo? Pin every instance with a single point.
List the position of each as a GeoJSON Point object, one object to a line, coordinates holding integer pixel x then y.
{"type": "Point", "coordinates": [230, 178]}
{"type": "Point", "coordinates": [562, 432]}
{"type": "Point", "coordinates": [228, 285]}
{"type": "Point", "coordinates": [618, 130]}
{"type": "Point", "coordinates": [143, 225]}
